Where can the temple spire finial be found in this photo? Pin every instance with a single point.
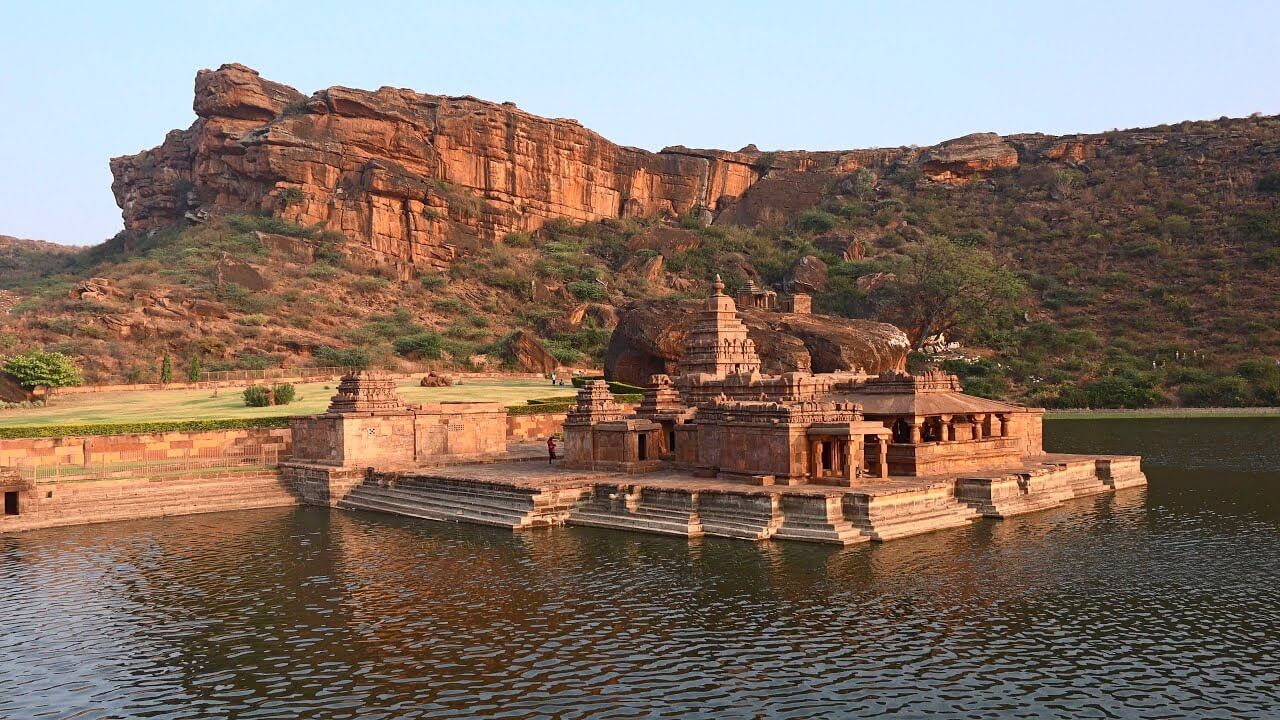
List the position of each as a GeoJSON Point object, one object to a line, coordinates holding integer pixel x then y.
{"type": "Point", "coordinates": [718, 285]}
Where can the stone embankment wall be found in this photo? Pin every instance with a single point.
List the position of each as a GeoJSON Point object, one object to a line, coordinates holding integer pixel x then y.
{"type": "Point", "coordinates": [44, 452]}
{"type": "Point", "coordinates": [534, 427]}
{"type": "Point", "coordinates": [80, 502]}
{"type": "Point", "coordinates": [460, 378]}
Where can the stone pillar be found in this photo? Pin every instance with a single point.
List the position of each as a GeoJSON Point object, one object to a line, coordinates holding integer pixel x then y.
{"type": "Point", "coordinates": [979, 431]}
{"type": "Point", "coordinates": [915, 431]}
{"type": "Point", "coordinates": [883, 442]}
{"type": "Point", "coordinates": [948, 428]}
{"type": "Point", "coordinates": [999, 426]}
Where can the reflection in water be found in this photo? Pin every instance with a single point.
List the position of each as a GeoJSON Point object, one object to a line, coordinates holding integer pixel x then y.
{"type": "Point", "coordinates": [1156, 602]}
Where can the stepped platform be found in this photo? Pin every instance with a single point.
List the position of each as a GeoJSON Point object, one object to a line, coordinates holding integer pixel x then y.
{"type": "Point", "coordinates": [518, 493]}
{"type": "Point", "coordinates": [520, 490]}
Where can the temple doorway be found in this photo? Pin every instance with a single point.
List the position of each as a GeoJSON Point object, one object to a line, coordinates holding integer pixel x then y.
{"type": "Point", "coordinates": [901, 431]}
{"type": "Point", "coordinates": [643, 447]}
{"type": "Point", "coordinates": [11, 503]}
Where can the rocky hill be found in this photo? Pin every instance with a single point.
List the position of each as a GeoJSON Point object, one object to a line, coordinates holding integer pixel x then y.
{"type": "Point", "coordinates": [285, 228]}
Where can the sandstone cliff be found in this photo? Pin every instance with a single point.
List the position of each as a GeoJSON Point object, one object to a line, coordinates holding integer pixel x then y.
{"type": "Point", "coordinates": [411, 179]}
{"type": "Point", "coordinates": [408, 178]}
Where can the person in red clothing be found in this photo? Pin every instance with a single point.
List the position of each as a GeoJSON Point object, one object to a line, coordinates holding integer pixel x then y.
{"type": "Point", "coordinates": [551, 449]}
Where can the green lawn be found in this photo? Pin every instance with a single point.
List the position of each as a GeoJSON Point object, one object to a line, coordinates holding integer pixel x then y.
{"type": "Point", "coordinates": [154, 405]}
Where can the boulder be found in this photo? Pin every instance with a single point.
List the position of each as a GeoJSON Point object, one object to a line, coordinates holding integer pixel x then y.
{"type": "Point", "coordinates": [287, 247]}
{"type": "Point", "coordinates": [957, 161]}
{"type": "Point", "coordinates": [11, 391]}
{"type": "Point", "coordinates": [808, 275]}
{"type": "Point", "coordinates": [231, 269]}
{"type": "Point", "coordinates": [529, 353]}
{"type": "Point", "coordinates": [95, 290]}
{"type": "Point", "coordinates": [650, 336]}
{"type": "Point", "coordinates": [433, 379]}
{"type": "Point", "coordinates": [874, 281]}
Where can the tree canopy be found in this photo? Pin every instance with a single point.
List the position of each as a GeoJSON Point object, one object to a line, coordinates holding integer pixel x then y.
{"type": "Point", "coordinates": [943, 287]}
{"type": "Point", "coordinates": [38, 368]}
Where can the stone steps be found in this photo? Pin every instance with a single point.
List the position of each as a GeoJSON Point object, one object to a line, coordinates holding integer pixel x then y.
{"type": "Point", "coordinates": [816, 518]}
{"type": "Point", "coordinates": [917, 523]}
{"type": "Point", "coordinates": [1013, 494]}
{"type": "Point", "coordinates": [1120, 472]}
{"type": "Point", "coordinates": [647, 510]}
{"type": "Point", "coordinates": [451, 500]}
{"type": "Point", "coordinates": [427, 508]}
{"type": "Point", "coordinates": [745, 517]}
{"type": "Point", "coordinates": [540, 502]}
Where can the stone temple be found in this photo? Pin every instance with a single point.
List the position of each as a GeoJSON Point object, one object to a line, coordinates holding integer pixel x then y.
{"type": "Point", "coordinates": [720, 449]}
{"type": "Point", "coordinates": [722, 418]}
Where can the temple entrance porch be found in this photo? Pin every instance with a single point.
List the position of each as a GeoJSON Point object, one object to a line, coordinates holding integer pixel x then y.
{"type": "Point", "coordinates": [845, 453]}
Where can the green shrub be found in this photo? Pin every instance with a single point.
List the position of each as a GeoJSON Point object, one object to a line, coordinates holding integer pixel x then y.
{"type": "Point", "coordinates": [1119, 391]}
{"type": "Point", "coordinates": [1230, 391]}
{"type": "Point", "coordinates": [262, 396]}
{"type": "Point", "coordinates": [1269, 183]}
{"type": "Point", "coordinates": [423, 345]}
{"type": "Point", "coordinates": [813, 222]}
{"type": "Point", "coordinates": [617, 388]}
{"type": "Point", "coordinates": [257, 396]}
{"type": "Point", "coordinates": [342, 357]}
{"type": "Point", "coordinates": [140, 428]}
{"type": "Point", "coordinates": [540, 408]}
{"type": "Point", "coordinates": [290, 196]}
{"type": "Point", "coordinates": [518, 240]}
{"type": "Point", "coordinates": [370, 285]}
{"type": "Point", "coordinates": [433, 281]}
{"type": "Point", "coordinates": [285, 393]}
{"type": "Point", "coordinates": [43, 369]}
{"type": "Point", "coordinates": [588, 290]}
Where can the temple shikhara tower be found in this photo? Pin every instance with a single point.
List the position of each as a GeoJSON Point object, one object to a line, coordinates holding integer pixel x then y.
{"type": "Point", "coordinates": [718, 344]}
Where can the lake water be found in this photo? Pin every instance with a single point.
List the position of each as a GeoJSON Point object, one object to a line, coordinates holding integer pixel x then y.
{"type": "Point", "coordinates": [1156, 602]}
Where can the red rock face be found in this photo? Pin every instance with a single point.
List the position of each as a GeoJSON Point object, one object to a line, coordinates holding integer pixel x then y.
{"type": "Point", "coordinates": [408, 178]}
{"type": "Point", "coordinates": [412, 180]}
{"type": "Point", "coordinates": [958, 161]}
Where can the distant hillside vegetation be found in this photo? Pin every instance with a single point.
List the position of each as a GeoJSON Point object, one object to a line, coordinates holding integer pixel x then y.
{"type": "Point", "coordinates": [1149, 260]}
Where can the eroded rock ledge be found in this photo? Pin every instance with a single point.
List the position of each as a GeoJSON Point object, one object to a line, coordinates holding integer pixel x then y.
{"type": "Point", "coordinates": [413, 179]}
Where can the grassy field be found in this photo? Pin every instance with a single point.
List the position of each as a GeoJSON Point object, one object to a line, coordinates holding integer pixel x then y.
{"type": "Point", "coordinates": [153, 405]}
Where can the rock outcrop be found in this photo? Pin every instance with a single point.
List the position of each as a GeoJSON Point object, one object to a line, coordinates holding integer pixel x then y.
{"type": "Point", "coordinates": [808, 275]}
{"type": "Point", "coordinates": [529, 354]}
{"type": "Point", "coordinates": [11, 391]}
{"type": "Point", "coordinates": [957, 161]}
{"type": "Point", "coordinates": [408, 178]}
{"type": "Point", "coordinates": [413, 180]}
{"type": "Point", "coordinates": [650, 338]}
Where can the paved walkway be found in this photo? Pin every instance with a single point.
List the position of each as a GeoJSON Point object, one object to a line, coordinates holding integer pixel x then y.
{"type": "Point", "coordinates": [525, 465]}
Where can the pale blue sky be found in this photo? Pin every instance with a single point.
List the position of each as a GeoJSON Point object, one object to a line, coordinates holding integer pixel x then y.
{"type": "Point", "coordinates": [82, 82]}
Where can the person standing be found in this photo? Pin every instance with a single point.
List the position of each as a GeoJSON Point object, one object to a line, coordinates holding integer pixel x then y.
{"type": "Point", "coordinates": [551, 449]}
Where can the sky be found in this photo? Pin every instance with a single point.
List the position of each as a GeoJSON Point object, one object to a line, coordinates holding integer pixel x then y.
{"type": "Point", "coordinates": [83, 82]}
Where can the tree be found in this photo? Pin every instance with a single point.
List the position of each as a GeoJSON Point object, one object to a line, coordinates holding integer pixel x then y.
{"type": "Point", "coordinates": [193, 372]}
{"type": "Point", "coordinates": [945, 288]}
{"type": "Point", "coordinates": [38, 368]}
{"type": "Point", "coordinates": [166, 369]}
